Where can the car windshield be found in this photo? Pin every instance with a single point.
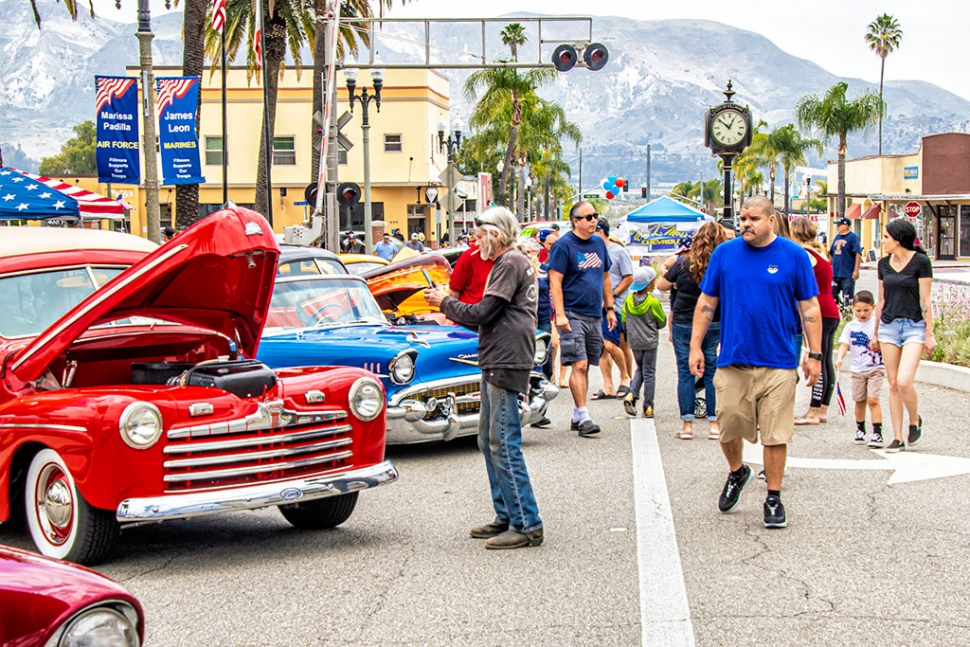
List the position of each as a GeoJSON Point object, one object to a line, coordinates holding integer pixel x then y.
{"type": "Point", "coordinates": [30, 303]}
{"type": "Point", "coordinates": [360, 268]}
{"type": "Point", "coordinates": [315, 302]}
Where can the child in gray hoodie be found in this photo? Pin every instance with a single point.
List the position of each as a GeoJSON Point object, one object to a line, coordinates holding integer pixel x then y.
{"type": "Point", "coordinates": [643, 317]}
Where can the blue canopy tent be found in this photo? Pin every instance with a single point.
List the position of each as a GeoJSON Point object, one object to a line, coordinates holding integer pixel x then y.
{"type": "Point", "coordinates": [656, 227]}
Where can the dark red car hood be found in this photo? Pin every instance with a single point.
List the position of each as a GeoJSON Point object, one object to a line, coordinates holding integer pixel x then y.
{"type": "Point", "coordinates": [217, 274]}
{"type": "Point", "coordinates": [39, 593]}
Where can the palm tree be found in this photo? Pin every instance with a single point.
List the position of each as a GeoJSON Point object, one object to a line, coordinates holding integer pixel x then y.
{"type": "Point", "coordinates": [833, 115]}
{"type": "Point", "coordinates": [70, 5]}
{"type": "Point", "coordinates": [791, 147]}
{"type": "Point", "coordinates": [193, 62]}
{"type": "Point", "coordinates": [513, 35]}
{"type": "Point", "coordinates": [883, 36]}
{"type": "Point", "coordinates": [500, 89]}
{"type": "Point", "coordinates": [764, 153]}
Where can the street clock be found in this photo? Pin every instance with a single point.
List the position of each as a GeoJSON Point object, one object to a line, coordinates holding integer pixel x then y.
{"type": "Point", "coordinates": [727, 128]}
{"type": "Point", "coordinates": [727, 132]}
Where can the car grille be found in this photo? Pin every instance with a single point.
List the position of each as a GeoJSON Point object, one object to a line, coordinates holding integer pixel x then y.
{"type": "Point", "coordinates": [466, 405]}
{"type": "Point", "coordinates": [273, 443]}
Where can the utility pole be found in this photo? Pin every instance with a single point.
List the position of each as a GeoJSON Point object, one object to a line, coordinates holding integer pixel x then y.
{"type": "Point", "coordinates": [145, 36]}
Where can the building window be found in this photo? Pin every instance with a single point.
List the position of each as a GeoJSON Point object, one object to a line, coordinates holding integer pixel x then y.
{"type": "Point", "coordinates": [213, 151]}
{"type": "Point", "coordinates": [965, 230]}
{"type": "Point", "coordinates": [341, 154]}
{"type": "Point", "coordinates": [392, 144]}
{"type": "Point", "coordinates": [284, 151]}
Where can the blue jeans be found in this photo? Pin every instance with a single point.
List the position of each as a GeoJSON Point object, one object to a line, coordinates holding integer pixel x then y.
{"type": "Point", "coordinates": [685, 380]}
{"type": "Point", "coordinates": [500, 440]}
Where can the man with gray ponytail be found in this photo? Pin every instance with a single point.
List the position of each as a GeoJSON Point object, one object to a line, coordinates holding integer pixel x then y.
{"type": "Point", "coordinates": [506, 323]}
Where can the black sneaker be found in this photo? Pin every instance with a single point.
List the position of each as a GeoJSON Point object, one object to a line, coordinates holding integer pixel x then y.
{"type": "Point", "coordinates": [875, 440]}
{"type": "Point", "coordinates": [895, 446]}
{"type": "Point", "coordinates": [574, 425]}
{"type": "Point", "coordinates": [731, 496]}
{"type": "Point", "coordinates": [915, 433]}
{"type": "Point", "coordinates": [775, 513]}
{"type": "Point", "coordinates": [542, 424]}
{"type": "Point", "coordinates": [860, 437]}
{"type": "Point", "coordinates": [587, 428]}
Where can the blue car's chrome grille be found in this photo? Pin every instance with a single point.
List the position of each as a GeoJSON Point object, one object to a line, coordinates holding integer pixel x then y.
{"type": "Point", "coordinates": [272, 443]}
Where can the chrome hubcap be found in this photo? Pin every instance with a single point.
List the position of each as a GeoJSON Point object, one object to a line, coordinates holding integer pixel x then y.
{"type": "Point", "coordinates": [56, 506]}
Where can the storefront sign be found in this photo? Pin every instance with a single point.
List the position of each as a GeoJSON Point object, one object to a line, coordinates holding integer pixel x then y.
{"type": "Point", "coordinates": [910, 172]}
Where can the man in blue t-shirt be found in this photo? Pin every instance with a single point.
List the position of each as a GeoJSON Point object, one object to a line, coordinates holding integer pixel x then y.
{"type": "Point", "coordinates": [579, 282]}
{"type": "Point", "coordinates": [767, 291]}
{"type": "Point", "coordinates": [846, 254]}
{"type": "Point", "coordinates": [385, 249]}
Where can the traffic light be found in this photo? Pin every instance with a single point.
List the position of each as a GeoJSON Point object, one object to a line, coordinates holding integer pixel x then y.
{"type": "Point", "coordinates": [564, 58]}
{"type": "Point", "coordinates": [310, 194]}
{"type": "Point", "coordinates": [643, 192]}
{"type": "Point", "coordinates": [595, 56]}
{"type": "Point", "coordinates": [348, 194]}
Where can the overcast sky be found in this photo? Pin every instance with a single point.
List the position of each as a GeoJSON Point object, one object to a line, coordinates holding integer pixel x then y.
{"type": "Point", "coordinates": [827, 32]}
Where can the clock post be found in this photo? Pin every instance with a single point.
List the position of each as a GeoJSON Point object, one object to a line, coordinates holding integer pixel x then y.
{"type": "Point", "coordinates": [727, 132]}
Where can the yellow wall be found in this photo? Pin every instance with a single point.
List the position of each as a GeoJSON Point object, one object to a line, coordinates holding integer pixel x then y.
{"type": "Point", "coordinates": [412, 102]}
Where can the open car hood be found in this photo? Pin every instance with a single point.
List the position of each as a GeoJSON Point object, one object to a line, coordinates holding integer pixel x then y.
{"type": "Point", "coordinates": [393, 283]}
{"type": "Point", "coordinates": [217, 274]}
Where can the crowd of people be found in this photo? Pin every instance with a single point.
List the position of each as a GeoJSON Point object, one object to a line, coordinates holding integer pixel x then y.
{"type": "Point", "coordinates": [747, 309]}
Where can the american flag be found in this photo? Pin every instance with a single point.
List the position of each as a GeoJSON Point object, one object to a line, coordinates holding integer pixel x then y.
{"type": "Point", "coordinates": [839, 397]}
{"type": "Point", "coordinates": [109, 88]}
{"type": "Point", "coordinates": [28, 196]}
{"type": "Point", "coordinates": [218, 15]}
{"type": "Point", "coordinates": [170, 89]}
{"type": "Point", "coordinates": [589, 260]}
{"type": "Point", "coordinates": [258, 38]}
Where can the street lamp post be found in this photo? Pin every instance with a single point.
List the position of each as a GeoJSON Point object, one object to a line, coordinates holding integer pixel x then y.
{"type": "Point", "coordinates": [452, 143]}
{"type": "Point", "coordinates": [377, 77]}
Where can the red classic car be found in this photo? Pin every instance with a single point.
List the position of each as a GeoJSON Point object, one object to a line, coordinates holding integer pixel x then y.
{"type": "Point", "coordinates": [128, 392]}
{"type": "Point", "coordinates": [47, 602]}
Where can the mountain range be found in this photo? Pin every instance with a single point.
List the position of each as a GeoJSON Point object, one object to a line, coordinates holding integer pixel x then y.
{"type": "Point", "coordinates": [660, 78]}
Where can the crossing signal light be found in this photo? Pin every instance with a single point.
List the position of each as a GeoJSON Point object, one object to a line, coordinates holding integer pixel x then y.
{"type": "Point", "coordinates": [348, 194]}
{"type": "Point", "coordinates": [564, 58]}
{"type": "Point", "coordinates": [596, 56]}
{"type": "Point", "coordinates": [643, 192]}
{"type": "Point", "coordinates": [310, 193]}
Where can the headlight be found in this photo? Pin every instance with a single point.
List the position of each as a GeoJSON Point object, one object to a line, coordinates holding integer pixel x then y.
{"type": "Point", "coordinates": [366, 399]}
{"type": "Point", "coordinates": [401, 368]}
{"type": "Point", "coordinates": [141, 425]}
{"type": "Point", "coordinates": [101, 626]}
{"type": "Point", "coordinates": [542, 345]}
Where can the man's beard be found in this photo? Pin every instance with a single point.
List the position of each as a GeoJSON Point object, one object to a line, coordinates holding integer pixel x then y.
{"type": "Point", "coordinates": [487, 248]}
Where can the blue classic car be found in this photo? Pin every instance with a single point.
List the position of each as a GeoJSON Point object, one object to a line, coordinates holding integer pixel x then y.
{"type": "Point", "coordinates": [430, 372]}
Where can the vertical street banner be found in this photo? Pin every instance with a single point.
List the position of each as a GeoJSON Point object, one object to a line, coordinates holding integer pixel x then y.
{"type": "Point", "coordinates": [178, 100]}
{"type": "Point", "coordinates": [117, 118]}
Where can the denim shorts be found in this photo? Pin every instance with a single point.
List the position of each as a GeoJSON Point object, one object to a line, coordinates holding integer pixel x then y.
{"type": "Point", "coordinates": [902, 331]}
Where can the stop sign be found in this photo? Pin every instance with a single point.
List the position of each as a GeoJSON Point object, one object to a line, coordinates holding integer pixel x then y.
{"type": "Point", "coordinates": [913, 210]}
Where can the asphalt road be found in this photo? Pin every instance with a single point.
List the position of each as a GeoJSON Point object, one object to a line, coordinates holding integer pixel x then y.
{"type": "Point", "coordinates": [862, 561]}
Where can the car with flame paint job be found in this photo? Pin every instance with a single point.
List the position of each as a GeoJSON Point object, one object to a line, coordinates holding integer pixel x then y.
{"type": "Point", "coordinates": [429, 372]}
{"type": "Point", "coordinates": [129, 393]}
{"type": "Point", "coordinates": [44, 601]}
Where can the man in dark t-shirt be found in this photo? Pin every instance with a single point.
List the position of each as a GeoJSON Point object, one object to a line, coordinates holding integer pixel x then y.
{"type": "Point", "coordinates": [579, 281]}
{"type": "Point", "coordinates": [846, 255]}
{"type": "Point", "coordinates": [506, 322]}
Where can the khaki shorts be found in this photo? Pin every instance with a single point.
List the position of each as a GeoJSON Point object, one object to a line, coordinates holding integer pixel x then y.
{"type": "Point", "coordinates": [867, 384]}
{"type": "Point", "coordinates": [756, 398]}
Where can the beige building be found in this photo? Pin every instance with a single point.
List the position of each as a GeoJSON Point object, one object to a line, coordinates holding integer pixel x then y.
{"type": "Point", "coordinates": [936, 177]}
{"type": "Point", "coordinates": [405, 158]}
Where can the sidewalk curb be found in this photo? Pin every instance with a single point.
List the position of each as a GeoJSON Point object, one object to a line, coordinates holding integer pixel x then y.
{"type": "Point", "coordinates": [945, 375]}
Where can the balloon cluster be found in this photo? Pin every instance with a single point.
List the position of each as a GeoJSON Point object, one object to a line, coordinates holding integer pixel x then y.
{"type": "Point", "coordinates": [613, 184]}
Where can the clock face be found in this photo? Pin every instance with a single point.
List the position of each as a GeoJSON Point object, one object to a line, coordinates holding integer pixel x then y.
{"type": "Point", "coordinates": [729, 127]}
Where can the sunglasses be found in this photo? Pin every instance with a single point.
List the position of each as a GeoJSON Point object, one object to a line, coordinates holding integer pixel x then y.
{"type": "Point", "coordinates": [479, 222]}
{"type": "Point", "coordinates": [587, 217]}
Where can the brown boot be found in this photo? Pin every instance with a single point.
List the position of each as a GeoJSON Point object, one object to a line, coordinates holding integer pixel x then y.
{"type": "Point", "coordinates": [493, 529]}
{"type": "Point", "coordinates": [513, 539]}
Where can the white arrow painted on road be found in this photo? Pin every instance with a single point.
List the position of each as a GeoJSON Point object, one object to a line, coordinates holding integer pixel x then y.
{"type": "Point", "coordinates": [906, 466]}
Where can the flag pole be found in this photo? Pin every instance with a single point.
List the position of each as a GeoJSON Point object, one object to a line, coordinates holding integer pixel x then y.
{"type": "Point", "coordinates": [225, 147]}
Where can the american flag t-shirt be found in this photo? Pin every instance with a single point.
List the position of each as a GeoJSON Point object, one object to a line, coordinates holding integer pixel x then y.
{"type": "Point", "coordinates": [589, 260]}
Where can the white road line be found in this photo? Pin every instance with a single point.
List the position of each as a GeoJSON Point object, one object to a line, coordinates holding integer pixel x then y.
{"type": "Point", "coordinates": [664, 611]}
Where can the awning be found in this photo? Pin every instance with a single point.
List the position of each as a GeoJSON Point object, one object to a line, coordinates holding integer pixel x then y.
{"type": "Point", "coordinates": [852, 213]}
{"type": "Point", "coordinates": [872, 213]}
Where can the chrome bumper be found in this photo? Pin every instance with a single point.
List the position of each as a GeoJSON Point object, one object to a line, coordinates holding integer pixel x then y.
{"type": "Point", "coordinates": [407, 422]}
{"type": "Point", "coordinates": [260, 495]}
